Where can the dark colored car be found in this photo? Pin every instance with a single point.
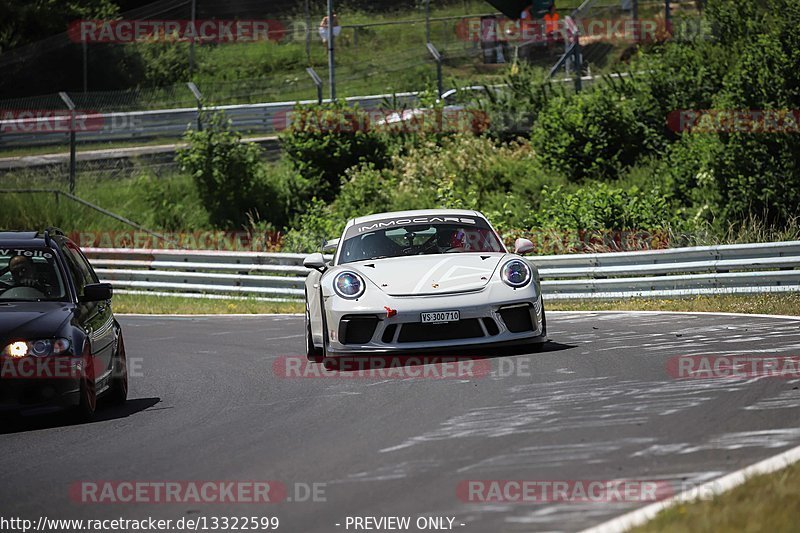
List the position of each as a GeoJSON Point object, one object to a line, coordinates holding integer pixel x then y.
{"type": "Point", "coordinates": [61, 346]}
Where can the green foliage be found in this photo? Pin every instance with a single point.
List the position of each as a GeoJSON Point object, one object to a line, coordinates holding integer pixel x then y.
{"type": "Point", "coordinates": [323, 141]}
{"type": "Point", "coordinates": [593, 134]}
{"type": "Point", "coordinates": [601, 206]}
{"type": "Point", "coordinates": [512, 111]}
{"type": "Point", "coordinates": [174, 204]}
{"type": "Point", "coordinates": [758, 173]}
{"type": "Point", "coordinates": [22, 21]}
{"type": "Point", "coordinates": [230, 177]}
{"type": "Point", "coordinates": [165, 62]}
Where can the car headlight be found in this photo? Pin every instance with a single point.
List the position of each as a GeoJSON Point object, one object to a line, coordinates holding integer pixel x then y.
{"type": "Point", "coordinates": [349, 285]}
{"type": "Point", "coordinates": [516, 273]}
{"type": "Point", "coordinates": [38, 348]}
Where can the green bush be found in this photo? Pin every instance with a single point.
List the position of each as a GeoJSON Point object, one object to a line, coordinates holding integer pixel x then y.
{"type": "Point", "coordinates": [173, 202]}
{"type": "Point", "coordinates": [231, 179]}
{"type": "Point", "coordinates": [593, 134]}
{"type": "Point", "coordinates": [599, 206]}
{"type": "Point", "coordinates": [323, 141]}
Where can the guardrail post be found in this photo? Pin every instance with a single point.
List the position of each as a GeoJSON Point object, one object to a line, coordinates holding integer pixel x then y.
{"type": "Point", "coordinates": [438, 58]}
{"type": "Point", "coordinates": [317, 81]}
{"type": "Point", "coordinates": [72, 141]}
{"type": "Point", "coordinates": [199, 97]}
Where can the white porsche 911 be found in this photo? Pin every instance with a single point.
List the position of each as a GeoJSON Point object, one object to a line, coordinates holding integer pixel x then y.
{"type": "Point", "coordinates": [420, 280]}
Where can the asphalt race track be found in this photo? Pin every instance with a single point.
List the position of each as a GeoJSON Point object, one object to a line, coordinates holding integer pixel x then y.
{"type": "Point", "coordinates": [598, 403]}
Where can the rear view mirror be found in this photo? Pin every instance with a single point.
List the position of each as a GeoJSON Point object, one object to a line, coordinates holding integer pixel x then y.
{"type": "Point", "coordinates": [522, 246]}
{"type": "Point", "coordinates": [97, 292]}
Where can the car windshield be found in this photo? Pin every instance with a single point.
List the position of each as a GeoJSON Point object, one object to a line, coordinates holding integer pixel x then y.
{"type": "Point", "coordinates": [30, 274]}
{"type": "Point", "coordinates": [419, 239]}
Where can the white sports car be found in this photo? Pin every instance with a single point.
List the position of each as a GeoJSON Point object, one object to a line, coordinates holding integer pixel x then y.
{"type": "Point", "coordinates": [420, 280]}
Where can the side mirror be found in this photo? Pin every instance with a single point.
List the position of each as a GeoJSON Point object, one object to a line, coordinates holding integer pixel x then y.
{"type": "Point", "coordinates": [522, 246]}
{"type": "Point", "coordinates": [97, 292]}
{"type": "Point", "coordinates": [330, 246]}
{"type": "Point", "coordinates": [315, 261]}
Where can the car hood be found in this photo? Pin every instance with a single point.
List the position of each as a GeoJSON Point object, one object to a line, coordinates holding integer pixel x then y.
{"type": "Point", "coordinates": [430, 274]}
{"type": "Point", "coordinates": [31, 320]}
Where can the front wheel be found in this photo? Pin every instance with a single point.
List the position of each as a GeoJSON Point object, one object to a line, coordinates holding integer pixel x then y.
{"type": "Point", "coordinates": [84, 412]}
{"type": "Point", "coordinates": [313, 353]}
{"type": "Point", "coordinates": [118, 393]}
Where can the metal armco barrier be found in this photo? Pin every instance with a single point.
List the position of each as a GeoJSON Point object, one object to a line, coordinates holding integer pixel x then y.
{"type": "Point", "coordinates": [734, 269]}
{"type": "Point", "coordinates": [265, 118]}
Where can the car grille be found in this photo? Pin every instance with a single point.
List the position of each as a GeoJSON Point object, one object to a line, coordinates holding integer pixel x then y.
{"type": "Point", "coordinates": [517, 318]}
{"type": "Point", "coordinates": [357, 329]}
{"type": "Point", "coordinates": [418, 332]}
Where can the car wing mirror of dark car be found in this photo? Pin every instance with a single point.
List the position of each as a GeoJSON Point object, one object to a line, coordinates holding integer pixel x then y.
{"type": "Point", "coordinates": [315, 261]}
{"type": "Point", "coordinates": [97, 292]}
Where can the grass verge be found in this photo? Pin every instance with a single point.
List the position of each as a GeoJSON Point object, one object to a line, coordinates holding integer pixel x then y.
{"type": "Point", "coordinates": [763, 503]}
{"type": "Point", "coordinates": [767, 304]}
{"type": "Point", "coordinates": [772, 304]}
{"type": "Point", "coordinates": [164, 305]}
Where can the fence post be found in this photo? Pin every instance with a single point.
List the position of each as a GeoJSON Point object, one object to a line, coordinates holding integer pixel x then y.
{"type": "Point", "coordinates": [317, 81]}
{"type": "Point", "coordinates": [191, 43]}
{"type": "Point", "coordinates": [85, 67]}
{"type": "Point", "coordinates": [438, 58]}
{"type": "Point", "coordinates": [331, 61]}
{"type": "Point", "coordinates": [199, 97]}
{"type": "Point", "coordinates": [668, 16]}
{"type": "Point", "coordinates": [427, 21]}
{"type": "Point", "coordinates": [308, 33]}
{"type": "Point", "coordinates": [72, 141]}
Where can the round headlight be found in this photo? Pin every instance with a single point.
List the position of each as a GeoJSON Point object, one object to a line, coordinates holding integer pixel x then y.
{"type": "Point", "coordinates": [516, 273]}
{"type": "Point", "coordinates": [40, 348]}
{"type": "Point", "coordinates": [16, 349]}
{"type": "Point", "coordinates": [349, 285]}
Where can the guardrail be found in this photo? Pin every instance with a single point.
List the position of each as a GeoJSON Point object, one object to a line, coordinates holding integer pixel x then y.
{"type": "Point", "coordinates": [737, 269]}
{"type": "Point", "coordinates": [263, 118]}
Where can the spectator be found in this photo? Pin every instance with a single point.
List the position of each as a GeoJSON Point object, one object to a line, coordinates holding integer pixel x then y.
{"type": "Point", "coordinates": [323, 28]}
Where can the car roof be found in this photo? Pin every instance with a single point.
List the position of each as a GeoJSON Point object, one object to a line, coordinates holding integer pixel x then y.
{"type": "Point", "coordinates": [25, 238]}
{"type": "Point", "coordinates": [416, 213]}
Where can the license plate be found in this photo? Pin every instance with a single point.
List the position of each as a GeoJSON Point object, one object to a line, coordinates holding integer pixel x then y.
{"type": "Point", "coordinates": [441, 316]}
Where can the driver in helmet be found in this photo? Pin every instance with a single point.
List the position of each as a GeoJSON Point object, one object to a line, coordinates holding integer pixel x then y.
{"type": "Point", "coordinates": [24, 273]}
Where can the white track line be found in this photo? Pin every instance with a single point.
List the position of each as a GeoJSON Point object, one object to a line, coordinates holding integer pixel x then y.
{"type": "Point", "coordinates": [712, 488]}
{"type": "Point", "coordinates": [716, 313]}
{"type": "Point", "coordinates": [782, 317]}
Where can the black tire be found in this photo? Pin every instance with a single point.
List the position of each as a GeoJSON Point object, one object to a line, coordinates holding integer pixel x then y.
{"type": "Point", "coordinates": [118, 390]}
{"type": "Point", "coordinates": [313, 353]}
{"type": "Point", "coordinates": [86, 408]}
{"type": "Point", "coordinates": [544, 322]}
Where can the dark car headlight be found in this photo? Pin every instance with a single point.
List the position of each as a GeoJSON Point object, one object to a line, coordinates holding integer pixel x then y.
{"type": "Point", "coordinates": [349, 285]}
{"type": "Point", "coordinates": [516, 273]}
{"type": "Point", "coordinates": [37, 348]}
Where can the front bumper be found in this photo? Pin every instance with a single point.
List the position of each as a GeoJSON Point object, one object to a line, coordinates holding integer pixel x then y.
{"type": "Point", "coordinates": [40, 386]}
{"type": "Point", "coordinates": [495, 315]}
